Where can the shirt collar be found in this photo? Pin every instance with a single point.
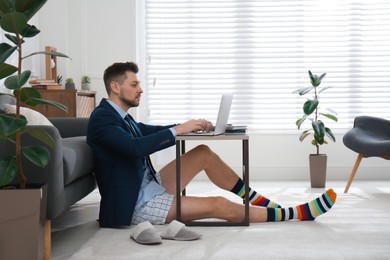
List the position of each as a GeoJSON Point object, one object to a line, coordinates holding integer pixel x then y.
{"type": "Point", "coordinates": [118, 109]}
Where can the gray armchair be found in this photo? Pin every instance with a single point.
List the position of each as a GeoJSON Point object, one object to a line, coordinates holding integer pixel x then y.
{"type": "Point", "coordinates": [369, 137]}
{"type": "Point", "coordinates": [69, 174]}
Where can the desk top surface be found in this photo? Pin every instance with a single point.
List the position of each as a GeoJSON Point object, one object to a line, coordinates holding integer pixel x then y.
{"type": "Point", "coordinates": [213, 137]}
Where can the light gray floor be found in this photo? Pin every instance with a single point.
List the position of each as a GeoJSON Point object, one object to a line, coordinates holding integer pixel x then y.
{"type": "Point", "coordinates": [78, 226]}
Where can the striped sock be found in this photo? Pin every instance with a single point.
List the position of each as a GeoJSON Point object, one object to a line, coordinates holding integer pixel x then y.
{"type": "Point", "coordinates": [307, 211]}
{"type": "Point", "coordinates": [254, 198]}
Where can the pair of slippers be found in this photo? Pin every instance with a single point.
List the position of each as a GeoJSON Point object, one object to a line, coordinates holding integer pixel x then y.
{"type": "Point", "coordinates": [144, 233]}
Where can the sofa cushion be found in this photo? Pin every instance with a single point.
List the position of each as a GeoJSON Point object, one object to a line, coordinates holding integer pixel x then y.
{"type": "Point", "coordinates": [78, 160]}
{"type": "Point", "coordinates": [33, 117]}
{"type": "Point", "coordinates": [5, 99]}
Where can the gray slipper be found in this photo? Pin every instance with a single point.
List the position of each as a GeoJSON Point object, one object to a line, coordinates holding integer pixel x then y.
{"type": "Point", "coordinates": [178, 231]}
{"type": "Point", "coordinates": [145, 234]}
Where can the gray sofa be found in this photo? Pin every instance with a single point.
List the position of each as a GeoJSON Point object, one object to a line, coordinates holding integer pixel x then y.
{"type": "Point", "coordinates": [69, 174]}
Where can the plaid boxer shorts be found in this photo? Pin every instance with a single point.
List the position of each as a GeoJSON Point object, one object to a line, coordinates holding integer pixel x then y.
{"type": "Point", "coordinates": [156, 210]}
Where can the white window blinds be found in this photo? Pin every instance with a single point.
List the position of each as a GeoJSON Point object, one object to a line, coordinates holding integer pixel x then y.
{"type": "Point", "coordinates": [260, 51]}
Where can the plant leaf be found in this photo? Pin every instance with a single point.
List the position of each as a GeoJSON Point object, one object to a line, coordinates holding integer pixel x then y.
{"type": "Point", "coordinates": [50, 103]}
{"type": "Point", "coordinates": [303, 91]}
{"type": "Point", "coordinates": [13, 39]}
{"type": "Point", "coordinates": [17, 81]}
{"type": "Point", "coordinates": [310, 106]}
{"type": "Point", "coordinates": [322, 89]}
{"type": "Point", "coordinates": [330, 116]}
{"type": "Point", "coordinates": [53, 53]}
{"type": "Point", "coordinates": [6, 50]}
{"type": "Point", "coordinates": [38, 155]}
{"type": "Point", "coordinates": [319, 139]}
{"type": "Point", "coordinates": [321, 77]}
{"type": "Point", "coordinates": [6, 70]}
{"type": "Point", "coordinates": [42, 136]}
{"type": "Point", "coordinates": [319, 129]}
{"type": "Point", "coordinates": [316, 80]}
{"type": "Point", "coordinates": [300, 121]}
{"type": "Point", "coordinates": [8, 170]}
{"type": "Point", "coordinates": [26, 95]}
{"type": "Point", "coordinates": [4, 8]}
{"type": "Point", "coordinates": [9, 125]}
{"type": "Point", "coordinates": [13, 22]}
{"type": "Point", "coordinates": [30, 31]}
{"type": "Point", "coordinates": [29, 8]}
{"type": "Point", "coordinates": [330, 134]}
{"type": "Point", "coordinates": [304, 134]}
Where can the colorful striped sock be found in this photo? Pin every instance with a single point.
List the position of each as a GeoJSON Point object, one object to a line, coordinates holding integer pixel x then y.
{"type": "Point", "coordinates": [307, 211]}
{"type": "Point", "coordinates": [254, 198]}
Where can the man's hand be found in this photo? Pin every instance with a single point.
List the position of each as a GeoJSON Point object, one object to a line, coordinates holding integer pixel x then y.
{"type": "Point", "coordinates": [193, 126]}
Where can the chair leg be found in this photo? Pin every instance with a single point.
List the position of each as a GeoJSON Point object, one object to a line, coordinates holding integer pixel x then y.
{"type": "Point", "coordinates": [47, 240]}
{"type": "Point", "coordinates": [354, 170]}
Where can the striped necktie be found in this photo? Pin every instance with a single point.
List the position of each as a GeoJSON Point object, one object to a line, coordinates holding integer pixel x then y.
{"type": "Point", "coordinates": [133, 126]}
{"type": "Point", "coordinates": [137, 133]}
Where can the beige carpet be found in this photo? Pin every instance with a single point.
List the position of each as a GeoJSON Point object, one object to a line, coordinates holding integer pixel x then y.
{"type": "Point", "coordinates": [358, 227]}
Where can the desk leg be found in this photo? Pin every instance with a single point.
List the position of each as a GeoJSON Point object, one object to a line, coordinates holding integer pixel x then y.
{"type": "Point", "coordinates": [245, 174]}
{"type": "Point", "coordinates": [183, 151]}
{"type": "Point", "coordinates": [178, 197]}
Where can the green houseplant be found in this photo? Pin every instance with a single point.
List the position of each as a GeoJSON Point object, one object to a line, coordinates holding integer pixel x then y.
{"type": "Point", "coordinates": [85, 82]}
{"type": "Point", "coordinates": [315, 113]}
{"type": "Point", "coordinates": [69, 83]}
{"type": "Point", "coordinates": [13, 20]}
{"type": "Point", "coordinates": [14, 17]}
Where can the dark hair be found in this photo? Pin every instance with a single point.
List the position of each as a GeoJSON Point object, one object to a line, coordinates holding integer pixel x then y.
{"type": "Point", "coordinates": [117, 72]}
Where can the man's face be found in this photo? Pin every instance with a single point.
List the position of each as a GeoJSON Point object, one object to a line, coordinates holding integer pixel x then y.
{"type": "Point", "coordinates": [130, 91]}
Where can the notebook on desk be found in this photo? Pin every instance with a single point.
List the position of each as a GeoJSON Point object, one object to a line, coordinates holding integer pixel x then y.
{"type": "Point", "coordinates": [223, 116]}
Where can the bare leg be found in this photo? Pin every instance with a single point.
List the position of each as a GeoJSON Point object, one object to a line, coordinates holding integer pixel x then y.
{"type": "Point", "coordinates": [194, 208]}
{"type": "Point", "coordinates": [194, 161]}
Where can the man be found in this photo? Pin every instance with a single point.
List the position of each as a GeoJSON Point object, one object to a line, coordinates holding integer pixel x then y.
{"type": "Point", "coordinates": [133, 192]}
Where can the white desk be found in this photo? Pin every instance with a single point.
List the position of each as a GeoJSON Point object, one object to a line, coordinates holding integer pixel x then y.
{"type": "Point", "coordinates": [180, 149]}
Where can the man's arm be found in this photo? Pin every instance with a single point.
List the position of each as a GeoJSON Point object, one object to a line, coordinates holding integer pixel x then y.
{"type": "Point", "coordinates": [110, 132]}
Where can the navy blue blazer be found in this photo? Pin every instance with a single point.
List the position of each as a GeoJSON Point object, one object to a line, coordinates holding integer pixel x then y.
{"type": "Point", "coordinates": [118, 161]}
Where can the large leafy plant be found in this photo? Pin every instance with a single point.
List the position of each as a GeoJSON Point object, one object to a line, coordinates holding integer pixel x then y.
{"type": "Point", "coordinates": [313, 112]}
{"type": "Point", "coordinates": [14, 17]}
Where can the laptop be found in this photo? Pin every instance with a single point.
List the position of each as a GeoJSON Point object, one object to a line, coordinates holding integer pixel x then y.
{"type": "Point", "coordinates": [223, 116]}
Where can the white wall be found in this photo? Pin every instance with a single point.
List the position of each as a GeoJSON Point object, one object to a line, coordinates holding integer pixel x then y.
{"type": "Point", "coordinates": [93, 33]}
{"type": "Point", "coordinates": [96, 33]}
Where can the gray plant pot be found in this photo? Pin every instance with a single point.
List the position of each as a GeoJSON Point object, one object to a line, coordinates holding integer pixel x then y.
{"type": "Point", "coordinates": [86, 86]}
{"type": "Point", "coordinates": [318, 170]}
{"type": "Point", "coordinates": [70, 86]}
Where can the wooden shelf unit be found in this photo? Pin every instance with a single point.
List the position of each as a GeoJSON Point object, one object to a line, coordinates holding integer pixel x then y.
{"type": "Point", "coordinates": [79, 103]}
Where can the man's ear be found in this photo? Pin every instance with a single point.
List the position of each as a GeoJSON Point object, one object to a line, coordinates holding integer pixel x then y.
{"type": "Point", "coordinates": [114, 87]}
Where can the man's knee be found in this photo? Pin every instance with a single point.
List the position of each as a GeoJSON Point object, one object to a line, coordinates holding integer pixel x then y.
{"type": "Point", "coordinates": [219, 202]}
{"type": "Point", "coordinates": [204, 149]}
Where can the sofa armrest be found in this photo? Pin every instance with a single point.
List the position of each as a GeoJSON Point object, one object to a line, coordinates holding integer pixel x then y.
{"type": "Point", "coordinates": [52, 174]}
{"type": "Point", "coordinates": [70, 126]}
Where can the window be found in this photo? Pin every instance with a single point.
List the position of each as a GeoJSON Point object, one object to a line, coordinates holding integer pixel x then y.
{"type": "Point", "coordinates": [260, 51]}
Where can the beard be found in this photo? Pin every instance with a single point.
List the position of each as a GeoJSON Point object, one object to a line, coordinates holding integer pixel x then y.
{"type": "Point", "coordinates": [129, 102]}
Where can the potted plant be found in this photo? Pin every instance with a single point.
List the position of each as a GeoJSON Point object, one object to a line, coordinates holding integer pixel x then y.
{"type": "Point", "coordinates": [313, 112]}
{"type": "Point", "coordinates": [14, 17]}
{"type": "Point", "coordinates": [69, 83]}
{"type": "Point", "coordinates": [85, 82]}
